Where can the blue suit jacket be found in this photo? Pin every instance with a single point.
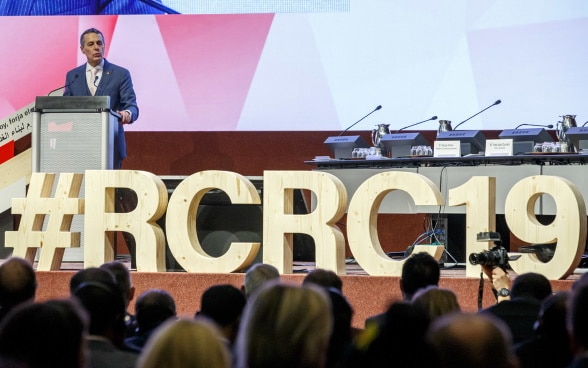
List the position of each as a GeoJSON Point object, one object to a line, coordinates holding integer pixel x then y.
{"type": "Point", "coordinates": [115, 82]}
{"type": "Point", "coordinates": [76, 7]}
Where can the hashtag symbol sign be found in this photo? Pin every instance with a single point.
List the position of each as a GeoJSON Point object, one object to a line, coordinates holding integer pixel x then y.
{"type": "Point", "coordinates": [60, 209]}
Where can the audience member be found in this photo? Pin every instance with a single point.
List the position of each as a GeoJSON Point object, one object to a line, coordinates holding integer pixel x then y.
{"type": "Point", "coordinates": [465, 340]}
{"type": "Point", "coordinates": [342, 334]}
{"type": "Point", "coordinates": [284, 326]}
{"type": "Point", "coordinates": [18, 284]}
{"type": "Point", "coordinates": [420, 270]}
{"type": "Point", "coordinates": [257, 275]}
{"type": "Point", "coordinates": [185, 344]}
{"type": "Point", "coordinates": [153, 308]}
{"type": "Point", "coordinates": [399, 341]}
{"type": "Point", "coordinates": [223, 305]}
{"type": "Point", "coordinates": [106, 308]}
{"type": "Point", "coordinates": [324, 278]}
{"type": "Point", "coordinates": [521, 310]}
{"type": "Point", "coordinates": [550, 347]}
{"type": "Point", "coordinates": [577, 321]}
{"type": "Point", "coordinates": [122, 276]}
{"type": "Point", "coordinates": [436, 302]}
{"type": "Point", "coordinates": [44, 335]}
{"type": "Point", "coordinates": [90, 274]}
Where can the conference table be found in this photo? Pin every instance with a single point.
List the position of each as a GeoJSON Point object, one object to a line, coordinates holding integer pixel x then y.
{"type": "Point", "coordinates": [448, 173]}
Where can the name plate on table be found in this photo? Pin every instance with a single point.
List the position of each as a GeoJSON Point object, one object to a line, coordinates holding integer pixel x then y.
{"type": "Point", "coordinates": [447, 149]}
{"type": "Point", "coordinates": [499, 147]}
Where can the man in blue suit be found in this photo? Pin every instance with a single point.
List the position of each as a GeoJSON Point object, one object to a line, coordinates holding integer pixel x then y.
{"type": "Point", "coordinates": [98, 77]}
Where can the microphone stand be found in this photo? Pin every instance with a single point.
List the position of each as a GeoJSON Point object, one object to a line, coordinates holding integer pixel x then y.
{"type": "Point", "coordinates": [420, 122]}
{"type": "Point", "coordinates": [352, 125]}
{"type": "Point", "coordinates": [495, 103]}
{"type": "Point", "coordinates": [535, 125]}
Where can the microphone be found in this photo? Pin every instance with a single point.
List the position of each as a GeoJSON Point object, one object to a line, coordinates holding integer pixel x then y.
{"type": "Point", "coordinates": [420, 122]}
{"type": "Point", "coordinates": [585, 124]}
{"type": "Point", "coordinates": [352, 125]}
{"type": "Point", "coordinates": [67, 85]}
{"type": "Point", "coordinates": [95, 80]}
{"type": "Point", "coordinates": [497, 102]}
{"type": "Point", "coordinates": [549, 126]}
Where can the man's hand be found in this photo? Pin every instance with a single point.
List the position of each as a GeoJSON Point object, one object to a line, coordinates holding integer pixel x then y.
{"type": "Point", "coordinates": [125, 117]}
{"type": "Point", "coordinates": [499, 279]}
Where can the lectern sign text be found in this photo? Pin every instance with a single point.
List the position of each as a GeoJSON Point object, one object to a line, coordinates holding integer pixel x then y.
{"type": "Point", "coordinates": [279, 220]}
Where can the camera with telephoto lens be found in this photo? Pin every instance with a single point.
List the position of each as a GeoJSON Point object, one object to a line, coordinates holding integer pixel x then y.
{"type": "Point", "coordinates": [496, 256]}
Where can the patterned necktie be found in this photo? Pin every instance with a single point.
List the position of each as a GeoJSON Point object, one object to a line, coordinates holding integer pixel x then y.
{"type": "Point", "coordinates": [93, 80]}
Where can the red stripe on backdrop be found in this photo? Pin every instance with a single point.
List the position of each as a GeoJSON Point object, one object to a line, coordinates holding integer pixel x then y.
{"type": "Point", "coordinates": [6, 151]}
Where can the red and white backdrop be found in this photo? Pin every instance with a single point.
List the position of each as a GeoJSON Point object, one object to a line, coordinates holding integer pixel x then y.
{"type": "Point", "coordinates": [322, 69]}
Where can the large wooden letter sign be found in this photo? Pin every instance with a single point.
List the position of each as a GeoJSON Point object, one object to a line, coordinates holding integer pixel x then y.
{"type": "Point", "coordinates": [569, 228]}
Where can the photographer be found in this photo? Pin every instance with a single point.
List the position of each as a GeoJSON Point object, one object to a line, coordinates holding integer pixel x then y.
{"type": "Point", "coordinates": [520, 309]}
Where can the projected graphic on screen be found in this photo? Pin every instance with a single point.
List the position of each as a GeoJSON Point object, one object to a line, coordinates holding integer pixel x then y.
{"type": "Point", "coordinates": [323, 70]}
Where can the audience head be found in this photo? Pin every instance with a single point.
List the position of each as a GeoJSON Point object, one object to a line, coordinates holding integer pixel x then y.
{"type": "Point", "coordinates": [44, 335]}
{"type": "Point", "coordinates": [436, 302]}
{"type": "Point", "coordinates": [298, 317]}
{"type": "Point", "coordinates": [472, 340]}
{"type": "Point", "coordinates": [419, 270]}
{"type": "Point", "coordinates": [223, 305]}
{"type": "Point", "coordinates": [398, 340]}
{"type": "Point", "coordinates": [106, 308]}
{"type": "Point", "coordinates": [18, 283]}
{"type": "Point", "coordinates": [531, 285]}
{"type": "Point", "coordinates": [90, 274]}
{"type": "Point", "coordinates": [551, 320]}
{"type": "Point", "coordinates": [153, 308]}
{"type": "Point", "coordinates": [324, 278]}
{"type": "Point", "coordinates": [185, 344]}
{"type": "Point", "coordinates": [122, 277]}
{"type": "Point", "coordinates": [257, 275]}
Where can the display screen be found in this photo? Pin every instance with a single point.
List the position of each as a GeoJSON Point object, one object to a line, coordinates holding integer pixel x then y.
{"type": "Point", "coordinates": [314, 65]}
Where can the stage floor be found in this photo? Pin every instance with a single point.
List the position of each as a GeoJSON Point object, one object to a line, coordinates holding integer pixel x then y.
{"type": "Point", "coordinates": [368, 295]}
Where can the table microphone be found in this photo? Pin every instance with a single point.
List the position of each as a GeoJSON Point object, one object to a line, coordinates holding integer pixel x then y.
{"type": "Point", "coordinates": [420, 122]}
{"type": "Point", "coordinates": [352, 125]}
{"type": "Point", "coordinates": [497, 102]}
{"type": "Point", "coordinates": [549, 126]}
{"type": "Point", "coordinates": [67, 85]}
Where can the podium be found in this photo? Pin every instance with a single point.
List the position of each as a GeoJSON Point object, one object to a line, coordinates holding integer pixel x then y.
{"type": "Point", "coordinates": [72, 134]}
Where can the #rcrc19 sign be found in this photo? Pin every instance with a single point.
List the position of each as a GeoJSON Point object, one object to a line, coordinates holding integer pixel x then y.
{"type": "Point", "coordinates": [279, 222]}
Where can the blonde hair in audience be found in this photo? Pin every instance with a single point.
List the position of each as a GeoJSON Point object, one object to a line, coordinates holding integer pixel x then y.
{"type": "Point", "coordinates": [285, 326]}
{"type": "Point", "coordinates": [436, 302]}
{"type": "Point", "coordinates": [185, 343]}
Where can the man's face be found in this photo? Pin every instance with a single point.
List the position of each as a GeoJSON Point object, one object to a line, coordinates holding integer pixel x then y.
{"type": "Point", "coordinates": [93, 48]}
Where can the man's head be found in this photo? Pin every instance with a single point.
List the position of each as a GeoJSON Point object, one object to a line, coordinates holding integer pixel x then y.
{"type": "Point", "coordinates": [419, 270]}
{"type": "Point", "coordinates": [92, 45]}
{"type": "Point", "coordinates": [17, 282]}
{"type": "Point", "coordinates": [472, 340]}
{"type": "Point", "coordinates": [123, 279]}
{"type": "Point", "coordinates": [152, 308]}
{"type": "Point", "coordinates": [531, 285]}
{"type": "Point", "coordinates": [90, 274]}
{"type": "Point", "coordinates": [324, 278]}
